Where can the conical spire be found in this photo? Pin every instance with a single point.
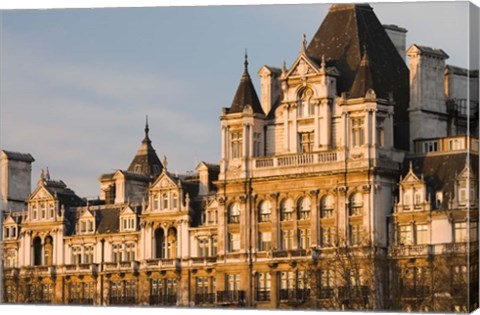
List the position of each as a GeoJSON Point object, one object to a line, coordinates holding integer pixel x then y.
{"type": "Point", "coordinates": [146, 160]}
{"type": "Point", "coordinates": [246, 94]}
{"type": "Point", "coordinates": [363, 79]}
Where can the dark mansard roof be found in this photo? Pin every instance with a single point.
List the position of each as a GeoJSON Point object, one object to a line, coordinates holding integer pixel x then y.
{"type": "Point", "coordinates": [350, 33]}
{"type": "Point", "coordinates": [146, 160]}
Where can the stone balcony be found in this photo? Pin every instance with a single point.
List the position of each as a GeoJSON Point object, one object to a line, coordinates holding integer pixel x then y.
{"type": "Point", "coordinates": [163, 263]}
{"type": "Point", "coordinates": [203, 261]}
{"type": "Point", "coordinates": [90, 269]}
{"type": "Point", "coordinates": [410, 250]}
{"type": "Point", "coordinates": [326, 161]}
{"type": "Point", "coordinates": [39, 271]}
{"type": "Point", "coordinates": [122, 266]}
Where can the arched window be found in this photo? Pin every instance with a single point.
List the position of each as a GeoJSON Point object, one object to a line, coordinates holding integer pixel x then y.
{"type": "Point", "coordinates": [356, 204]}
{"type": "Point", "coordinates": [326, 207]}
{"type": "Point", "coordinates": [265, 211]}
{"type": "Point", "coordinates": [234, 213]}
{"type": "Point", "coordinates": [304, 208]}
{"type": "Point", "coordinates": [305, 104]}
{"type": "Point", "coordinates": [159, 243]}
{"type": "Point", "coordinates": [286, 210]}
{"type": "Point", "coordinates": [37, 251]}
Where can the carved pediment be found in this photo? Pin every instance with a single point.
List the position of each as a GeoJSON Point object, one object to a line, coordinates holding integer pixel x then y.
{"type": "Point", "coordinates": [41, 193]}
{"type": "Point", "coordinates": [165, 182]}
{"type": "Point", "coordinates": [302, 67]}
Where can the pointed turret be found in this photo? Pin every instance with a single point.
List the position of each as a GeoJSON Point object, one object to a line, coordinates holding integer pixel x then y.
{"type": "Point", "coordinates": [146, 160]}
{"type": "Point", "coordinates": [341, 39]}
{"type": "Point", "coordinates": [246, 94]}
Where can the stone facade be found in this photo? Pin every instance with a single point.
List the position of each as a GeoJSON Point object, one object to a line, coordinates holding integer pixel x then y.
{"type": "Point", "coordinates": [315, 202]}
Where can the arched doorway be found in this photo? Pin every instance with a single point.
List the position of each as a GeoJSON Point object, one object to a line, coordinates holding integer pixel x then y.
{"type": "Point", "coordinates": [172, 242]}
{"type": "Point", "coordinates": [37, 251]}
{"type": "Point", "coordinates": [48, 251]}
{"type": "Point", "coordinates": [159, 243]}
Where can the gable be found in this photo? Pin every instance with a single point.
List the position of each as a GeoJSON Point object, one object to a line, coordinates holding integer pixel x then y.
{"type": "Point", "coordinates": [127, 211]}
{"type": "Point", "coordinates": [164, 182]}
{"type": "Point", "coordinates": [302, 67]}
{"type": "Point", "coordinates": [86, 215]}
{"type": "Point", "coordinates": [9, 221]}
{"type": "Point", "coordinates": [41, 193]}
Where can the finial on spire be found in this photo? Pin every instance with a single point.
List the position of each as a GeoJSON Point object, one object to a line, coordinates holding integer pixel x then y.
{"type": "Point", "coordinates": [146, 126]}
{"type": "Point", "coordinates": [42, 174]}
{"type": "Point", "coordinates": [47, 174]}
{"type": "Point", "coordinates": [304, 42]}
{"type": "Point", "coordinates": [245, 63]}
{"type": "Point", "coordinates": [284, 68]}
{"type": "Point", "coordinates": [410, 166]}
{"type": "Point", "coordinates": [147, 129]}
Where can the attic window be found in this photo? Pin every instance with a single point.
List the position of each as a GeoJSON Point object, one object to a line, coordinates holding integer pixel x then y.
{"type": "Point", "coordinates": [128, 223]}
{"type": "Point", "coordinates": [438, 199]}
{"type": "Point", "coordinates": [138, 168]}
{"type": "Point", "coordinates": [87, 226]}
{"type": "Point", "coordinates": [430, 146]}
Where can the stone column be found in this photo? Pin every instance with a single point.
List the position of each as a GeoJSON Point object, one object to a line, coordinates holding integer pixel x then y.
{"type": "Point", "coordinates": [316, 130]}
{"type": "Point", "coordinates": [315, 220]}
{"type": "Point", "coordinates": [294, 131]}
{"type": "Point", "coordinates": [275, 220]}
{"type": "Point", "coordinates": [286, 128]}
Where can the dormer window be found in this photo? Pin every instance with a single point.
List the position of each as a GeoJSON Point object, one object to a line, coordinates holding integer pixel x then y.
{"type": "Point", "coordinates": [43, 210]}
{"type": "Point", "coordinates": [9, 232]}
{"type": "Point", "coordinates": [51, 210]}
{"type": "Point", "coordinates": [34, 212]}
{"type": "Point", "coordinates": [430, 146]}
{"type": "Point", "coordinates": [418, 198]}
{"type": "Point", "coordinates": [438, 199]}
{"type": "Point", "coordinates": [165, 201]}
{"type": "Point", "coordinates": [156, 201]}
{"type": "Point", "coordinates": [406, 199]}
{"type": "Point", "coordinates": [174, 201]}
{"type": "Point", "coordinates": [128, 223]}
{"type": "Point", "coordinates": [87, 226]}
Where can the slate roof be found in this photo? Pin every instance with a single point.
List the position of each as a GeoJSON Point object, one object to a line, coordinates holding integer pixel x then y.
{"type": "Point", "coordinates": [245, 95]}
{"type": "Point", "coordinates": [363, 79]}
{"type": "Point", "coordinates": [147, 158]}
{"type": "Point", "coordinates": [17, 156]}
{"type": "Point", "coordinates": [441, 171]}
{"type": "Point", "coordinates": [65, 195]}
{"type": "Point", "coordinates": [348, 33]}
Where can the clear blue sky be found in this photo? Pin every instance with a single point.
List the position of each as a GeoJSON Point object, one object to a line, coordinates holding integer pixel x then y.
{"type": "Point", "coordinates": [76, 84]}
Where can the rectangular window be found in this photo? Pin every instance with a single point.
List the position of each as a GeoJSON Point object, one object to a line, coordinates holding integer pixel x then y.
{"type": "Point", "coordinates": [234, 242]}
{"type": "Point", "coordinates": [202, 247]}
{"type": "Point", "coordinates": [116, 252]}
{"type": "Point", "coordinates": [76, 255]}
{"type": "Point", "coordinates": [306, 142]}
{"type": "Point", "coordinates": [422, 234]}
{"type": "Point", "coordinates": [257, 144]}
{"type": "Point", "coordinates": [418, 198]}
{"type": "Point", "coordinates": [156, 201]}
{"type": "Point", "coordinates": [473, 231]}
{"type": "Point", "coordinates": [43, 210]}
{"type": "Point", "coordinates": [51, 208]}
{"type": "Point", "coordinates": [233, 282]}
{"type": "Point", "coordinates": [263, 287]}
{"type": "Point", "coordinates": [265, 241]}
{"type": "Point", "coordinates": [460, 232]}
{"type": "Point", "coordinates": [88, 254]}
{"type": "Point", "coordinates": [83, 227]}
{"type": "Point", "coordinates": [358, 134]}
{"type": "Point", "coordinates": [355, 235]}
{"type": "Point", "coordinates": [287, 239]}
{"type": "Point", "coordinates": [438, 199]}
{"type": "Point", "coordinates": [304, 241]}
{"type": "Point", "coordinates": [328, 237]}
{"type": "Point", "coordinates": [380, 133]}
{"type": "Point", "coordinates": [405, 237]}
{"type": "Point", "coordinates": [236, 144]}
{"type": "Point", "coordinates": [430, 146]}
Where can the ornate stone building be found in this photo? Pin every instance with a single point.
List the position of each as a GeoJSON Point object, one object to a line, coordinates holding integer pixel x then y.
{"type": "Point", "coordinates": [350, 184]}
